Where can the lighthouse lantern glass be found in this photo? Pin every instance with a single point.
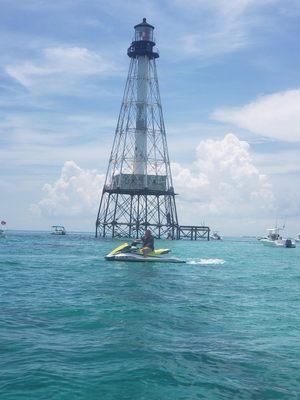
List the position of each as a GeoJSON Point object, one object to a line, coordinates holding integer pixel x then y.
{"type": "Point", "coordinates": [143, 33]}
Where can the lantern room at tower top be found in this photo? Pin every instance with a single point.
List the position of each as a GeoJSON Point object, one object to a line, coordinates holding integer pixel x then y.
{"type": "Point", "coordinates": [143, 41]}
{"type": "Point", "coordinates": [144, 31]}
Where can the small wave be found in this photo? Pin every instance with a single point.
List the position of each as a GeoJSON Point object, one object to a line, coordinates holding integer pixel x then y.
{"type": "Point", "coordinates": [6, 263]}
{"type": "Point", "coordinates": [207, 261]}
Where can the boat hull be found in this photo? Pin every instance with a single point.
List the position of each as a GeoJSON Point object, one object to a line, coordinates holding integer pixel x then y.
{"type": "Point", "coordinates": [278, 243]}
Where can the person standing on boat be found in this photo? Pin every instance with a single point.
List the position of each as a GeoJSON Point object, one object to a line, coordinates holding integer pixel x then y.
{"type": "Point", "coordinates": [147, 243]}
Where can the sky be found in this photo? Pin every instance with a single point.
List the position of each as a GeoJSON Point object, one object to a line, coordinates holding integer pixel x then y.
{"type": "Point", "coordinates": [229, 76]}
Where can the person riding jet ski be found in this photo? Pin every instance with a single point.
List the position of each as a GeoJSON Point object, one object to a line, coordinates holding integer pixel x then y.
{"type": "Point", "coordinates": [129, 252]}
{"type": "Point", "coordinates": [147, 243]}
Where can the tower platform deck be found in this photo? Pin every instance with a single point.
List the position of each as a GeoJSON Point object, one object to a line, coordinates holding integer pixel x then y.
{"type": "Point", "coordinates": [193, 232]}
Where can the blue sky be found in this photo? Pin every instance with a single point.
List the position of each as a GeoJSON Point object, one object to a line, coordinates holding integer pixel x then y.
{"type": "Point", "coordinates": [224, 67]}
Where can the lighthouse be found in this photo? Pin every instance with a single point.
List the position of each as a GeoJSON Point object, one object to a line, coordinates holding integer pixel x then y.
{"type": "Point", "coordinates": [138, 192]}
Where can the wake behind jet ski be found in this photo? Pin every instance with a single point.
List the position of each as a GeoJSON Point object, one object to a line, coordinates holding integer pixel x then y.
{"type": "Point", "coordinates": [130, 252]}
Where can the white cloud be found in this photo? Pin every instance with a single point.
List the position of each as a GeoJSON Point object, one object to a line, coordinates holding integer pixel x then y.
{"type": "Point", "coordinates": [47, 140]}
{"type": "Point", "coordinates": [21, 128]}
{"type": "Point", "coordinates": [76, 192]}
{"type": "Point", "coordinates": [276, 116]}
{"type": "Point", "coordinates": [219, 27]}
{"type": "Point", "coordinates": [209, 44]}
{"type": "Point", "coordinates": [59, 65]}
{"type": "Point", "coordinates": [283, 162]}
{"type": "Point", "coordinates": [222, 181]}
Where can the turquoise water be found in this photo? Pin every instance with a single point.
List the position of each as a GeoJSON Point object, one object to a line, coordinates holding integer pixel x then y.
{"type": "Point", "coordinates": [73, 326]}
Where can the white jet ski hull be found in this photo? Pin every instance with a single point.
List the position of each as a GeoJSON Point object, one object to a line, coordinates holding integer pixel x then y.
{"type": "Point", "coordinates": [140, 258]}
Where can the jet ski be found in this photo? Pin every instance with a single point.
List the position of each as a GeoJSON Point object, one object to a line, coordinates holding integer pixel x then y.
{"type": "Point", "coordinates": [130, 252]}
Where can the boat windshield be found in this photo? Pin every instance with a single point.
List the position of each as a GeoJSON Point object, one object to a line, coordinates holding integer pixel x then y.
{"type": "Point", "coordinates": [274, 236]}
{"type": "Point", "coordinates": [58, 228]}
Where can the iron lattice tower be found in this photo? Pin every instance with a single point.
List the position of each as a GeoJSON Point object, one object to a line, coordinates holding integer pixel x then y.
{"type": "Point", "coordinates": [138, 192]}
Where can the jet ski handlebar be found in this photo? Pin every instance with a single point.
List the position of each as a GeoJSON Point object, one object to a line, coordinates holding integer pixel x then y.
{"type": "Point", "coordinates": [135, 242]}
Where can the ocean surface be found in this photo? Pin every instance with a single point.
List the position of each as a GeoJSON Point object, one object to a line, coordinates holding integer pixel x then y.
{"type": "Point", "coordinates": [226, 325]}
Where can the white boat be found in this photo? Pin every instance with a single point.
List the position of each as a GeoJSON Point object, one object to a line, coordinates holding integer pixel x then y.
{"type": "Point", "coordinates": [2, 229]}
{"type": "Point", "coordinates": [275, 239]}
{"type": "Point", "coordinates": [297, 240]}
{"type": "Point", "coordinates": [58, 230]}
{"type": "Point", "coordinates": [215, 236]}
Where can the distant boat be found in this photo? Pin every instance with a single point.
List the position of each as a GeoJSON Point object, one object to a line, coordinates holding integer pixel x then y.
{"type": "Point", "coordinates": [297, 240]}
{"type": "Point", "coordinates": [58, 230]}
{"type": "Point", "coordinates": [2, 229]}
{"type": "Point", "coordinates": [215, 236]}
{"type": "Point", "coordinates": [275, 239]}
